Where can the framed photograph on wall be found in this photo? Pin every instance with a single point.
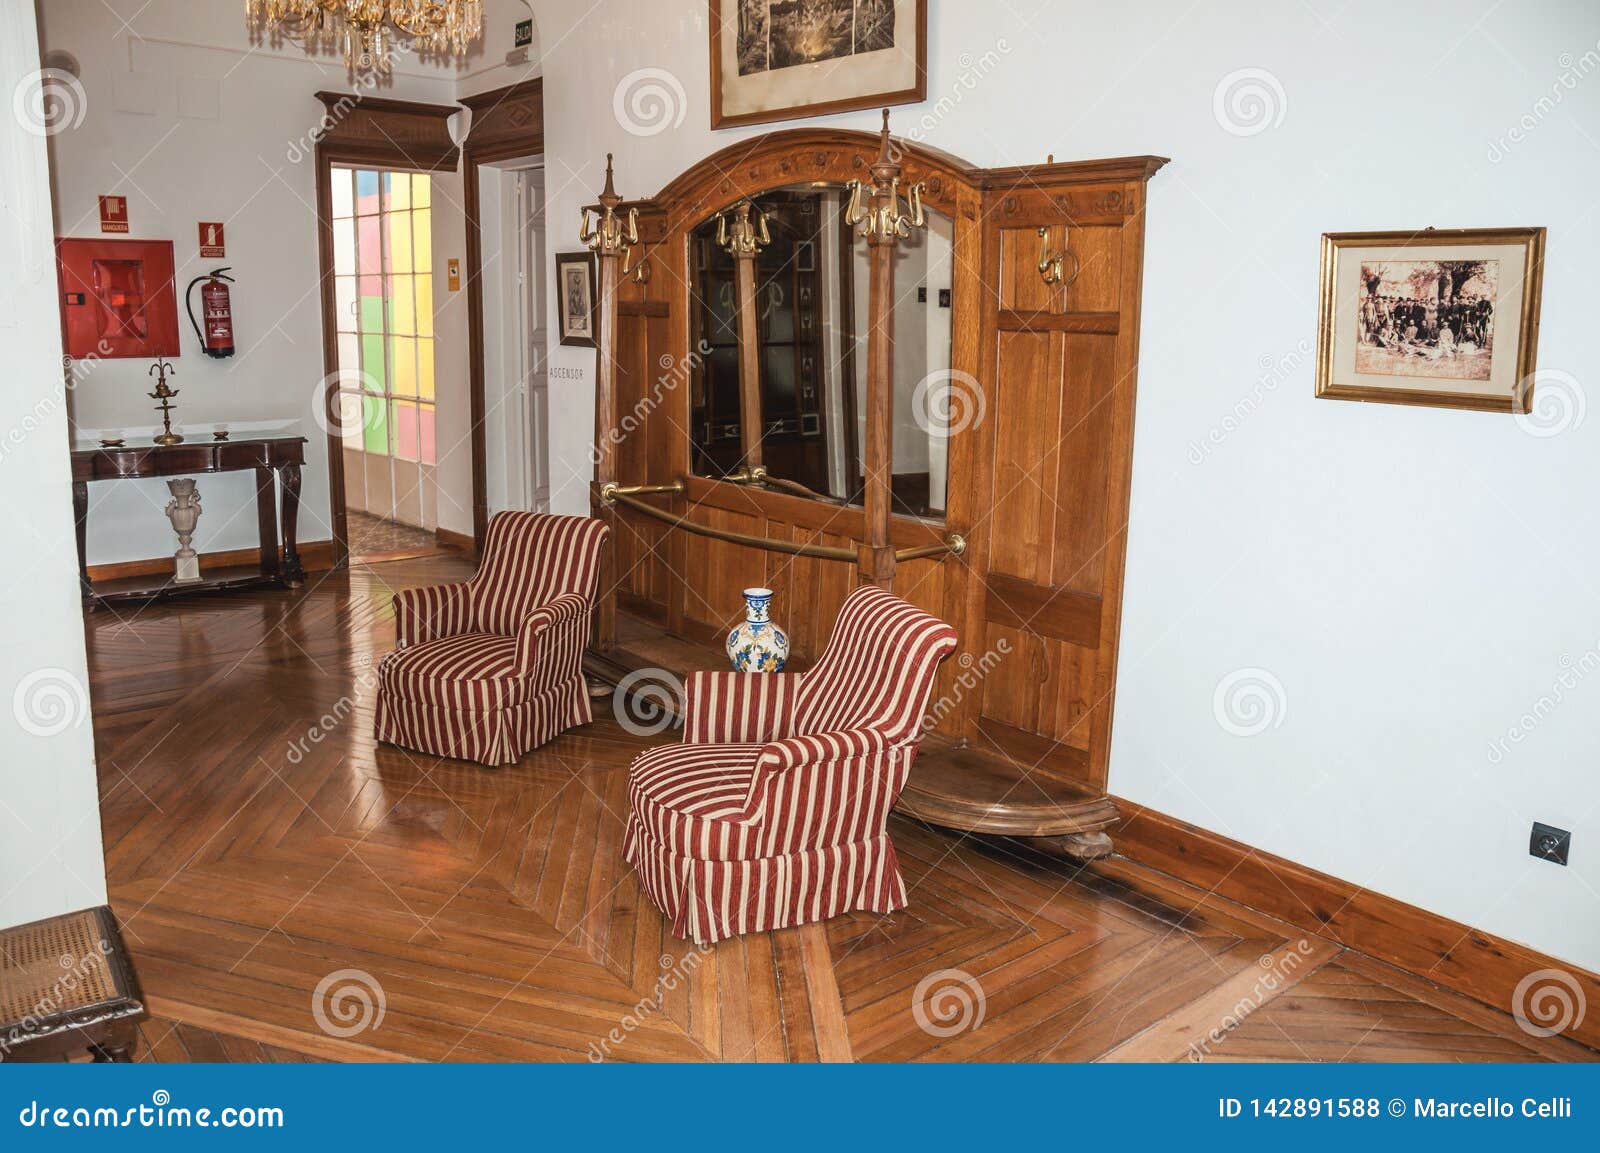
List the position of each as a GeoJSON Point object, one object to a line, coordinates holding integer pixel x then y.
{"type": "Point", "coordinates": [1445, 318]}
{"type": "Point", "coordinates": [788, 59]}
{"type": "Point", "coordinates": [575, 286]}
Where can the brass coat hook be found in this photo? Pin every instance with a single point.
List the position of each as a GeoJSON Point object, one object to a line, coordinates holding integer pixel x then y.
{"type": "Point", "coordinates": [1052, 266]}
{"type": "Point", "coordinates": [747, 234]}
{"type": "Point", "coordinates": [609, 233]}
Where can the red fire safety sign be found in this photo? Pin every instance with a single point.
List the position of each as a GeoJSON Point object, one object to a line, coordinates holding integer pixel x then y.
{"type": "Point", "coordinates": [212, 244]}
{"type": "Point", "coordinates": [113, 214]}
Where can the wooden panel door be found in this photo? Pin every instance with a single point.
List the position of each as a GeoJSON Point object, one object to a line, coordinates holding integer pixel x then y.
{"type": "Point", "coordinates": [1055, 362]}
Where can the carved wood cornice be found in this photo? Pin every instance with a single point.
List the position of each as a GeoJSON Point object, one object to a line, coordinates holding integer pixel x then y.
{"type": "Point", "coordinates": [395, 133]}
{"type": "Point", "coordinates": [506, 122]}
{"type": "Point", "coordinates": [837, 155]}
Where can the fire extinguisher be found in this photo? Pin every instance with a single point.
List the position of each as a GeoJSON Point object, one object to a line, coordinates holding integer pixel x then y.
{"type": "Point", "coordinates": [216, 339]}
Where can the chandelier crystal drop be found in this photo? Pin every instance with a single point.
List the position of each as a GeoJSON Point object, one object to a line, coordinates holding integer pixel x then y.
{"type": "Point", "coordinates": [364, 29]}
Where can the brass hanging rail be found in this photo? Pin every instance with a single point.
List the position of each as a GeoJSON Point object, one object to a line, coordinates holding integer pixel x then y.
{"type": "Point", "coordinates": [618, 494]}
{"type": "Point", "coordinates": [608, 491]}
{"type": "Point", "coordinates": [758, 475]}
{"type": "Point", "coordinates": [627, 496]}
{"type": "Point", "coordinates": [953, 545]}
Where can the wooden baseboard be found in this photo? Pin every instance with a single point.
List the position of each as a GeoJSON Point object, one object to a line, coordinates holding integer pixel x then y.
{"type": "Point", "coordinates": [315, 556]}
{"type": "Point", "coordinates": [459, 541]}
{"type": "Point", "coordinates": [1460, 958]}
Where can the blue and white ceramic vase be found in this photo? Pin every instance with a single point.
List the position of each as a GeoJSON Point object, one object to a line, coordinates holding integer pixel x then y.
{"type": "Point", "coordinates": [758, 645]}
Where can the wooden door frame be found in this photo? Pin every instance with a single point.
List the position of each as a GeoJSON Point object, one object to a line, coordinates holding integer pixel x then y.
{"type": "Point", "coordinates": [380, 133]}
{"type": "Point", "coordinates": [506, 123]}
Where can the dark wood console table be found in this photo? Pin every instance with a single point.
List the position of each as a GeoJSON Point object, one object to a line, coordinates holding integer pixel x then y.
{"type": "Point", "coordinates": [269, 457]}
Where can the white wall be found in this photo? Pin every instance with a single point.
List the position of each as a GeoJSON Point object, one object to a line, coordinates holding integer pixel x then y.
{"type": "Point", "coordinates": [1414, 578]}
{"type": "Point", "coordinates": [191, 121]}
{"type": "Point", "coordinates": [504, 456]}
{"type": "Point", "coordinates": [50, 858]}
{"type": "Point", "coordinates": [453, 415]}
{"type": "Point", "coordinates": [488, 70]}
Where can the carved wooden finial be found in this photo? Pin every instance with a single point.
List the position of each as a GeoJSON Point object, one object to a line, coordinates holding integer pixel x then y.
{"type": "Point", "coordinates": [887, 165]}
{"type": "Point", "coordinates": [609, 194]}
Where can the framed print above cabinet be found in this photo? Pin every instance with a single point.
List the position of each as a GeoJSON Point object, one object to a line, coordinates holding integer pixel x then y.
{"type": "Point", "coordinates": [575, 285]}
{"type": "Point", "coordinates": [788, 59]}
{"type": "Point", "coordinates": [1439, 317]}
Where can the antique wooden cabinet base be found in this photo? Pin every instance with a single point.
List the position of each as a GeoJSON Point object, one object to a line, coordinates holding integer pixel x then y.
{"type": "Point", "coordinates": [270, 458]}
{"type": "Point", "coordinates": [1000, 504]}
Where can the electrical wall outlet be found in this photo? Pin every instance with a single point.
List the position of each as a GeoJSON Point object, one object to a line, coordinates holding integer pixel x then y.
{"type": "Point", "coordinates": [1549, 843]}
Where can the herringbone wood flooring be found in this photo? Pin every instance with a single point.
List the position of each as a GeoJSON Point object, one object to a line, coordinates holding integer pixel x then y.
{"type": "Point", "coordinates": [271, 867]}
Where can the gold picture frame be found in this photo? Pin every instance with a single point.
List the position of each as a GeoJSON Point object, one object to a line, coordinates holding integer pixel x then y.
{"type": "Point", "coordinates": [759, 74]}
{"type": "Point", "coordinates": [1441, 317]}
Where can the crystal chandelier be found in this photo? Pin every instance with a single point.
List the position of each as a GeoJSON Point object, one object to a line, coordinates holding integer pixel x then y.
{"type": "Point", "coordinates": [362, 28]}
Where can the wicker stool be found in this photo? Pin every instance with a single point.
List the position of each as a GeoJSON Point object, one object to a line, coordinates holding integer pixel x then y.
{"type": "Point", "coordinates": [66, 988]}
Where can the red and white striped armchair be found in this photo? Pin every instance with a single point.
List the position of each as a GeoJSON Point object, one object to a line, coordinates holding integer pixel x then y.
{"type": "Point", "coordinates": [773, 811]}
{"type": "Point", "coordinates": [490, 668]}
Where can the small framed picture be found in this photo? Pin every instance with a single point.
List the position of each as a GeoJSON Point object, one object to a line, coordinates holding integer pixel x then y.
{"type": "Point", "coordinates": [1444, 318]}
{"type": "Point", "coordinates": [783, 60]}
{"type": "Point", "coordinates": [575, 284]}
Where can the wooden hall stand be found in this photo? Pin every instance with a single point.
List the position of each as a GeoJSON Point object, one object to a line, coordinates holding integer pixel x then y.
{"type": "Point", "coordinates": [269, 457]}
{"type": "Point", "coordinates": [1028, 560]}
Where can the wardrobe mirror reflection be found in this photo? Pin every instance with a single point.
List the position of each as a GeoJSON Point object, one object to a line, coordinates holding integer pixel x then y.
{"type": "Point", "coordinates": [810, 309]}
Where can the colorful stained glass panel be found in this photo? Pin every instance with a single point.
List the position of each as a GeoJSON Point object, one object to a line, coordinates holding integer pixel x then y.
{"type": "Point", "coordinates": [405, 429]}
{"type": "Point", "coordinates": [425, 369]}
{"type": "Point", "coordinates": [402, 308]}
{"type": "Point", "coordinates": [424, 305]}
{"type": "Point", "coordinates": [400, 243]}
{"type": "Point", "coordinates": [371, 313]}
{"type": "Point", "coordinates": [422, 233]}
{"type": "Point", "coordinates": [366, 192]}
{"type": "Point", "coordinates": [372, 363]}
{"type": "Point", "coordinates": [370, 240]}
{"type": "Point", "coordinates": [402, 366]}
{"type": "Point", "coordinates": [383, 261]}
{"type": "Point", "coordinates": [375, 421]}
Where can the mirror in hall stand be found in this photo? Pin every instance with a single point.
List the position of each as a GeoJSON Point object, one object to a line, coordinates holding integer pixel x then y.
{"type": "Point", "coordinates": [810, 327]}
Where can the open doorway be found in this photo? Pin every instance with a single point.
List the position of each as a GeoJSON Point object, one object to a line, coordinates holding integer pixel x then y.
{"type": "Point", "coordinates": [387, 396]}
{"type": "Point", "coordinates": [510, 199]}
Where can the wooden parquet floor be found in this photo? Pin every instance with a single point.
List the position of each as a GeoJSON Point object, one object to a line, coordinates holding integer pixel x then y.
{"type": "Point", "coordinates": [291, 891]}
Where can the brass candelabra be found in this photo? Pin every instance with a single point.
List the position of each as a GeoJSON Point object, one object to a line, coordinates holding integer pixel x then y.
{"type": "Point", "coordinates": [164, 394]}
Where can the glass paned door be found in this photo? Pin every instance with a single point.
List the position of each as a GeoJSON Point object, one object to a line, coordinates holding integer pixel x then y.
{"type": "Point", "coordinates": [383, 292]}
